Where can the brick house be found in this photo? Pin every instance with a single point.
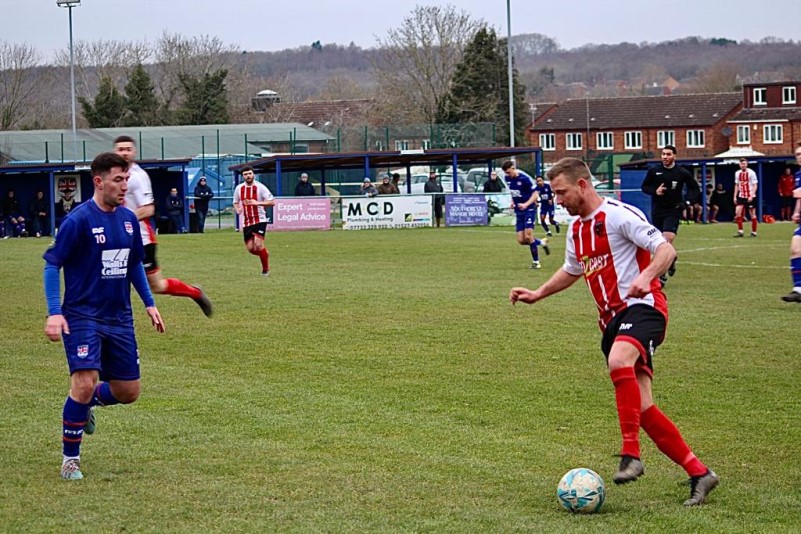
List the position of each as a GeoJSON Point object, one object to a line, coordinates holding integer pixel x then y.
{"type": "Point", "coordinates": [770, 121]}
{"type": "Point", "coordinates": [640, 126]}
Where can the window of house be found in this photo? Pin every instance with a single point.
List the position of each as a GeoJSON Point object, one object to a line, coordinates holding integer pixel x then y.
{"type": "Point", "coordinates": [605, 140]}
{"type": "Point", "coordinates": [773, 134]}
{"type": "Point", "coordinates": [548, 141]}
{"type": "Point", "coordinates": [633, 140]}
{"type": "Point", "coordinates": [743, 134]}
{"type": "Point", "coordinates": [426, 144]}
{"type": "Point", "coordinates": [695, 139]}
{"type": "Point", "coordinates": [665, 137]}
{"type": "Point", "coordinates": [788, 95]}
{"type": "Point", "coordinates": [760, 96]}
{"type": "Point", "coordinates": [573, 141]}
{"type": "Point", "coordinates": [402, 144]}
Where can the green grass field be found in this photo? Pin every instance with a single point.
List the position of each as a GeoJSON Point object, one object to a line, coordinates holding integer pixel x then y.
{"type": "Point", "coordinates": [381, 381]}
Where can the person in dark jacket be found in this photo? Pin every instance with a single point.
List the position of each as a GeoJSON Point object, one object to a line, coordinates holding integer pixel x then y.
{"type": "Point", "coordinates": [10, 211]}
{"type": "Point", "coordinates": [433, 186]}
{"type": "Point", "coordinates": [303, 187]}
{"type": "Point", "coordinates": [175, 211]}
{"type": "Point", "coordinates": [494, 184]}
{"type": "Point", "coordinates": [203, 194]}
{"type": "Point", "coordinates": [40, 219]}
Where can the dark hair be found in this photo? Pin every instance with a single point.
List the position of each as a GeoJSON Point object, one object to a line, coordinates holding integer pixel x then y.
{"type": "Point", "coordinates": [246, 168]}
{"type": "Point", "coordinates": [106, 161]}
{"type": "Point", "coordinates": [671, 148]}
{"type": "Point", "coordinates": [124, 139]}
{"type": "Point", "coordinates": [506, 164]}
{"type": "Point", "coordinates": [744, 159]}
{"type": "Point", "coordinates": [395, 175]}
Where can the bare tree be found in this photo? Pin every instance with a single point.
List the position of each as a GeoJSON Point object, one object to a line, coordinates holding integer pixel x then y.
{"type": "Point", "coordinates": [419, 58]}
{"type": "Point", "coordinates": [95, 60]}
{"type": "Point", "coordinates": [178, 56]}
{"type": "Point", "coordinates": [18, 77]}
{"type": "Point", "coordinates": [719, 78]}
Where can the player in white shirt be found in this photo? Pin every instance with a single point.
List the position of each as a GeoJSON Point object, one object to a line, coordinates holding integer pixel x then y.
{"type": "Point", "coordinates": [139, 199]}
{"type": "Point", "coordinates": [745, 192]}
{"type": "Point", "coordinates": [250, 199]}
{"type": "Point", "coordinates": [620, 255]}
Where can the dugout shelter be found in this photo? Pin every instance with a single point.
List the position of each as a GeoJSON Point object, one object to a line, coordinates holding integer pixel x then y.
{"type": "Point", "coordinates": [712, 170]}
{"type": "Point", "coordinates": [65, 182]}
{"type": "Point", "coordinates": [280, 172]}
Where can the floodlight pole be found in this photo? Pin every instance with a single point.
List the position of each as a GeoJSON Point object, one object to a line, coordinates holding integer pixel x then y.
{"type": "Point", "coordinates": [509, 72]}
{"type": "Point", "coordinates": [69, 5]}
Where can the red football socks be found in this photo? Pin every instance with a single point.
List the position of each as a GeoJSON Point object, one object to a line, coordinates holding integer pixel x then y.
{"type": "Point", "coordinates": [668, 440]}
{"type": "Point", "coordinates": [627, 396]}
{"type": "Point", "coordinates": [177, 288]}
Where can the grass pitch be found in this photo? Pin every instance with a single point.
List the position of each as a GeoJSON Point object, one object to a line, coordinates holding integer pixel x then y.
{"type": "Point", "coordinates": [381, 381]}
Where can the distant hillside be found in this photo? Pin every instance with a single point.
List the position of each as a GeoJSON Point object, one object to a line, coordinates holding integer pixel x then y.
{"type": "Point", "coordinates": [693, 62]}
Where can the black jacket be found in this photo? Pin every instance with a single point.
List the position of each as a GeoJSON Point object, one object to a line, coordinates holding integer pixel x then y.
{"type": "Point", "coordinates": [304, 189]}
{"type": "Point", "coordinates": [203, 194]}
{"type": "Point", "coordinates": [493, 186]}
{"type": "Point", "coordinates": [675, 179]}
{"type": "Point", "coordinates": [38, 206]}
{"type": "Point", "coordinates": [175, 206]}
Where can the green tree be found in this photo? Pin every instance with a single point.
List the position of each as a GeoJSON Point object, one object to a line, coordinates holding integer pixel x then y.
{"type": "Point", "coordinates": [141, 103]}
{"type": "Point", "coordinates": [108, 108]}
{"type": "Point", "coordinates": [479, 89]}
{"type": "Point", "coordinates": [205, 99]}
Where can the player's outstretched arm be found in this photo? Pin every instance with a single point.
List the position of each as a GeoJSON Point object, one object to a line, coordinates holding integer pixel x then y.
{"type": "Point", "coordinates": [560, 281]}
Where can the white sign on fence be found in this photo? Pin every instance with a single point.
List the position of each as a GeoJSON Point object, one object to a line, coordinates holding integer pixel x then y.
{"type": "Point", "coordinates": [365, 213]}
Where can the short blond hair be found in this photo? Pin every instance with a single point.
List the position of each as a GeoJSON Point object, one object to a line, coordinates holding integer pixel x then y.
{"type": "Point", "coordinates": [571, 168]}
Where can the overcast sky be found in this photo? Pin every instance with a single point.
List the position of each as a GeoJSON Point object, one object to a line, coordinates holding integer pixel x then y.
{"type": "Point", "coordinates": [263, 25]}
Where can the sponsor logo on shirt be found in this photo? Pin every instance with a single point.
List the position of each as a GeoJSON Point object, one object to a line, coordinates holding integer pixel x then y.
{"type": "Point", "coordinates": [115, 263]}
{"type": "Point", "coordinates": [83, 351]}
{"type": "Point", "coordinates": [594, 264]}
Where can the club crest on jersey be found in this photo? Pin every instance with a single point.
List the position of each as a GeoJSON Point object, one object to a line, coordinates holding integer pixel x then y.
{"type": "Point", "coordinates": [599, 229]}
{"type": "Point", "coordinates": [82, 351]}
{"type": "Point", "coordinates": [129, 227]}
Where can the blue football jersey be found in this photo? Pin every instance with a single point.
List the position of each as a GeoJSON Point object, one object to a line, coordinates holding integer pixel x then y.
{"type": "Point", "coordinates": [797, 179]}
{"type": "Point", "coordinates": [96, 250]}
{"type": "Point", "coordinates": [521, 188]}
{"type": "Point", "coordinates": [545, 192]}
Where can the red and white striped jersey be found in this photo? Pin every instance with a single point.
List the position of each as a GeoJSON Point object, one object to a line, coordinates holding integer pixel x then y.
{"type": "Point", "coordinates": [256, 191]}
{"type": "Point", "coordinates": [140, 193]}
{"type": "Point", "coordinates": [611, 247]}
{"type": "Point", "coordinates": [746, 183]}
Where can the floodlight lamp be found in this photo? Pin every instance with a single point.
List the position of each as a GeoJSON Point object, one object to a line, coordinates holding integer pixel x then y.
{"type": "Point", "coordinates": [68, 3]}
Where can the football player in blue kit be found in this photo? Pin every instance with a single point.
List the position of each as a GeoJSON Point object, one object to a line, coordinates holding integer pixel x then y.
{"type": "Point", "coordinates": [795, 241]}
{"type": "Point", "coordinates": [546, 205]}
{"type": "Point", "coordinates": [524, 202]}
{"type": "Point", "coordinates": [100, 250]}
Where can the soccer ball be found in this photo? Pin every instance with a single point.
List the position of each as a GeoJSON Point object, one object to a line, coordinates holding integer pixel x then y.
{"type": "Point", "coordinates": [581, 491]}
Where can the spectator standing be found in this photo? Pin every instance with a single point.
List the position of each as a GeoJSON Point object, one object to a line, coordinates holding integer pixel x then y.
{"type": "Point", "coordinates": [203, 194]}
{"type": "Point", "coordinates": [304, 188]}
{"type": "Point", "coordinates": [786, 187]}
{"type": "Point", "coordinates": [620, 255]}
{"type": "Point", "coordinates": [368, 189]}
{"type": "Point", "coordinates": [665, 184]}
{"type": "Point", "coordinates": [386, 187]}
{"type": "Point", "coordinates": [396, 181]}
{"type": "Point", "coordinates": [493, 184]}
{"type": "Point", "coordinates": [433, 186]}
{"type": "Point", "coordinates": [175, 211]}
{"type": "Point", "coordinates": [746, 184]}
{"type": "Point", "coordinates": [40, 220]}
